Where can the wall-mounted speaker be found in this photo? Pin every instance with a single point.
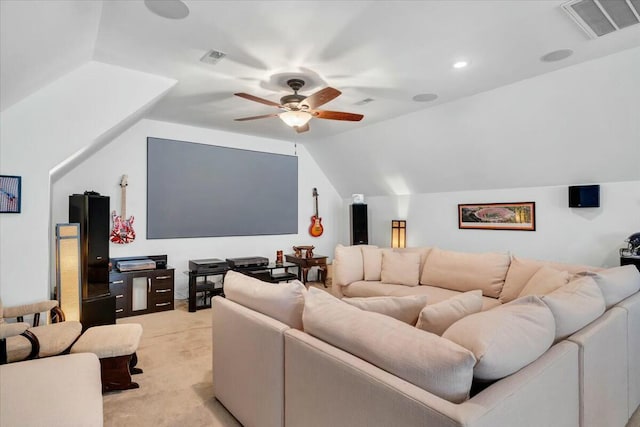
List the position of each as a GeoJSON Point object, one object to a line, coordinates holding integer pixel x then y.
{"type": "Point", "coordinates": [584, 196]}
{"type": "Point", "coordinates": [359, 224]}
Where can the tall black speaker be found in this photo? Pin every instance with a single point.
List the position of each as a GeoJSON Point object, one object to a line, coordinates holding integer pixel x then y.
{"type": "Point", "coordinates": [358, 216]}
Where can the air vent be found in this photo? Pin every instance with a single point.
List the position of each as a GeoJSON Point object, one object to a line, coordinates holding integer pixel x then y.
{"type": "Point", "coordinates": [600, 17]}
{"type": "Point", "coordinates": [213, 57]}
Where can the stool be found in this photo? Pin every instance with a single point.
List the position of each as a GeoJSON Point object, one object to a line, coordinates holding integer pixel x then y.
{"type": "Point", "coordinates": [115, 346]}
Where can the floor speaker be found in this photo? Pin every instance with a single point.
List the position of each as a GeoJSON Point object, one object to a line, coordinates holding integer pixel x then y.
{"type": "Point", "coordinates": [358, 216]}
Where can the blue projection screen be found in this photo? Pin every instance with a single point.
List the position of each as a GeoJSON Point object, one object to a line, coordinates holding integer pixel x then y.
{"type": "Point", "coordinates": [200, 190]}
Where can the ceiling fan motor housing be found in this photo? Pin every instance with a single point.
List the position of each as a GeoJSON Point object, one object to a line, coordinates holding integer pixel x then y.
{"type": "Point", "coordinates": [292, 101]}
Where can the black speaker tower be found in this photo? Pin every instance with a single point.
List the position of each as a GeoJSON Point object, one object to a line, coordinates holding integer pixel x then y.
{"type": "Point", "coordinates": [358, 217]}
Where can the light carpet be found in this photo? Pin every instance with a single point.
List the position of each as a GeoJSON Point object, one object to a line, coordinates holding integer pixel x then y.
{"type": "Point", "coordinates": [176, 387]}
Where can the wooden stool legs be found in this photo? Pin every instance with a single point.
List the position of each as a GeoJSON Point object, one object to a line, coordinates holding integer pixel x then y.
{"type": "Point", "coordinates": [116, 372]}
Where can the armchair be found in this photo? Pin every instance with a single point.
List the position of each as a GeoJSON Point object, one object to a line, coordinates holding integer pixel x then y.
{"type": "Point", "coordinates": [20, 341]}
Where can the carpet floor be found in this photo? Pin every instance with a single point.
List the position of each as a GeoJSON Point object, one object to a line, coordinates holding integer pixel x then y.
{"type": "Point", "coordinates": [176, 387]}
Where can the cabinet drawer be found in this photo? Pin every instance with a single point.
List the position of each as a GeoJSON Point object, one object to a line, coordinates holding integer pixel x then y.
{"type": "Point", "coordinates": [319, 261]}
{"type": "Point", "coordinates": [162, 305]}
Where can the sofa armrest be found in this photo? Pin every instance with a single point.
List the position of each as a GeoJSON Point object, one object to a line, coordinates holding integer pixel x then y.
{"type": "Point", "coordinates": [12, 329]}
{"type": "Point", "coordinates": [248, 363]}
{"type": "Point", "coordinates": [77, 401]}
{"type": "Point", "coordinates": [327, 386]}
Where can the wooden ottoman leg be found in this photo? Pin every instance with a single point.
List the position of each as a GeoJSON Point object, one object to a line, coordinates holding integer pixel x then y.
{"type": "Point", "coordinates": [115, 373]}
{"type": "Point", "coordinates": [132, 365]}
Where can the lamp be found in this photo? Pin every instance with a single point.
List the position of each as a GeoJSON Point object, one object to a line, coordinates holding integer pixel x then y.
{"type": "Point", "coordinates": [398, 233]}
{"type": "Point", "coordinates": [68, 270]}
{"type": "Point", "coordinates": [295, 118]}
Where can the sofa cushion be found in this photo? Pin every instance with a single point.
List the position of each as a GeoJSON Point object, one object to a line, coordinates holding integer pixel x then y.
{"type": "Point", "coordinates": [348, 265]}
{"type": "Point", "coordinates": [424, 252]}
{"type": "Point", "coordinates": [405, 309]}
{"type": "Point", "coordinates": [616, 283]}
{"type": "Point", "coordinates": [372, 259]}
{"type": "Point", "coordinates": [421, 358]}
{"type": "Point", "coordinates": [522, 269]}
{"type": "Point", "coordinates": [437, 318]}
{"type": "Point", "coordinates": [283, 301]}
{"type": "Point", "coordinates": [545, 280]}
{"type": "Point", "coordinates": [575, 305]}
{"type": "Point", "coordinates": [506, 338]}
{"type": "Point", "coordinates": [400, 268]}
{"type": "Point", "coordinates": [463, 272]}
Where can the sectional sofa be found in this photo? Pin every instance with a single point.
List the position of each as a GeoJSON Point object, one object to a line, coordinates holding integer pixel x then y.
{"type": "Point", "coordinates": [552, 344]}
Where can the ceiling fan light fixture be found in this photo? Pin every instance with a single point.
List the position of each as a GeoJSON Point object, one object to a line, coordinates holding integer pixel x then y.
{"type": "Point", "coordinates": [295, 118]}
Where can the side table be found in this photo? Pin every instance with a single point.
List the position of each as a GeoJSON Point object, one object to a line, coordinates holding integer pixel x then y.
{"type": "Point", "coordinates": [305, 264]}
{"type": "Point", "coordinates": [208, 287]}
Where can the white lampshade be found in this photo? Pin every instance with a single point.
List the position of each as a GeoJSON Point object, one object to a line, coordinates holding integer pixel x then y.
{"type": "Point", "coordinates": [295, 118]}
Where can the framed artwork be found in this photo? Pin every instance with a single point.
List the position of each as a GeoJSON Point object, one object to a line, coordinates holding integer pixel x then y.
{"type": "Point", "coordinates": [498, 216]}
{"type": "Point", "coordinates": [10, 193]}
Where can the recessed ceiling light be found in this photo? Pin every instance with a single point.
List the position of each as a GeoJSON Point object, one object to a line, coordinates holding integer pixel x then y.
{"type": "Point", "coordinates": [556, 55]}
{"type": "Point", "coordinates": [460, 64]}
{"type": "Point", "coordinates": [425, 97]}
{"type": "Point", "coordinates": [171, 9]}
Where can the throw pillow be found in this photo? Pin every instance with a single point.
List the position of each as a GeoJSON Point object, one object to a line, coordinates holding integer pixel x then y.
{"type": "Point", "coordinates": [348, 266]}
{"type": "Point", "coordinates": [283, 302]}
{"type": "Point", "coordinates": [372, 257]}
{"type": "Point", "coordinates": [423, 359]}
{"type": "Point", "coordinates": [400, 268]}
{"type": "Point", "coordinates": [545, 280]}
{"type": "Point", "coordinates": [575, 305]}
{"type": "Point", "coordinates": [437, 318]}
{"type": "Point", "coordinates": [616, 283]}
{"type": "Point", "coordinates": [405, 309]}
{"type": "Point", "coordinates": [506, 338]}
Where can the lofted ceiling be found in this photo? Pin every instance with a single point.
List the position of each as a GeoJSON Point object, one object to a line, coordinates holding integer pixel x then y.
{"type": "Point", "coordinates": [387, 51]}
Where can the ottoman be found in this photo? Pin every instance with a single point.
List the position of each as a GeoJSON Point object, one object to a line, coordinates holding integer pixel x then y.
{"type": "Point", "coordinates": [115, 346]}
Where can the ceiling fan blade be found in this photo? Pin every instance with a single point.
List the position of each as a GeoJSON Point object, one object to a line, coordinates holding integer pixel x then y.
{"type": "Point", "coordinates": [337, 115]}
{"type": "Point", "coordinates": [256, 99]}
{"type": "Point", "coordinates": [321, 97]}
{"type": "Point", "coordinates": [264, 116]}
{"type": "Point", "coordinates": [303, 128]}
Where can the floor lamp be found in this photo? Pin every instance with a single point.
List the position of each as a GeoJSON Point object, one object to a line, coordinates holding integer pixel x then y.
{"type": "Point", "coordinates": [68, 270]}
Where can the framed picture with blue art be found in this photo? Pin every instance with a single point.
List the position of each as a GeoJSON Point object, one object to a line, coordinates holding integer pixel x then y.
{"type": "Point", "coordinates": [10, 198]}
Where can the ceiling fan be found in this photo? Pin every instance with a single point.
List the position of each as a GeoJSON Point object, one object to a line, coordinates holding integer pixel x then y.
{"type": "Point", "coordinates": [299, 109]}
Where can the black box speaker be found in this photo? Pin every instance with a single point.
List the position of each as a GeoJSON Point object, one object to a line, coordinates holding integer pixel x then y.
{"type": "Point", "coordinates": [359, 225]}
{"type": "Point", "coordinates": [584, 196]}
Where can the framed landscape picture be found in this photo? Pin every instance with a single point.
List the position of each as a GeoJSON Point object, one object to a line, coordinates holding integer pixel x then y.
{"type": "Point", "coordinates": [10, 193]}
{"type": "Point", "coordinates": [498, 216]}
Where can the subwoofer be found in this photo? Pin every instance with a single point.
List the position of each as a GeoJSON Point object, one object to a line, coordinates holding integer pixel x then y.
{"type": "Point", "coordinates": [358, 217]}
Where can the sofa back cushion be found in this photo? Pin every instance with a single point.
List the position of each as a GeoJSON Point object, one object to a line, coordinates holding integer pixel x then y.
{"type": "Point", "coordinates": [348, 265]}
{"type": "Point", "coordinates": [283, 301]}
{"type": "Point", "coordinates": [507, 338]}
{"type": "Point", "coordinates": [400, 268]}
{"type": "Point", "coordinates": [464, 272]}
{"type": "Point", "coordinates": [544, 281]}
{"type": "Point", "coordinates": [406, 309]}
{"type": "Point", "coordinates": [372, 258]}
{"type": "Point", "coordinates": [616, 283]}
{"type": "Point", "coordinates": [522, 269]}
{"type": "Point", "coordinates": [436, 318]}
{"type": "Point", "coordinates": [420, 358]}
{"type": "Point", "coordinates": [575, 305]}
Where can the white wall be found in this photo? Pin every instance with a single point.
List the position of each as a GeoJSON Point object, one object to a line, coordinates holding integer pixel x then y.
{"type": "Point", "coordinates": [42, 133]}
{"type": "Point", "coordinates": [589, 236]}
{"type": "Point", "coordinates": [127, 155]}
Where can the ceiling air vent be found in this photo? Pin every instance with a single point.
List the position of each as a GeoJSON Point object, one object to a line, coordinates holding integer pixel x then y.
{"type": "Point", "coordinates": [600, 17]}
{"type": "Point", "coordinates": [213, 57]}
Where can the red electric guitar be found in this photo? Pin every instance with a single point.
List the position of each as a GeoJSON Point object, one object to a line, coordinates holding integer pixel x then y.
{"type": "Point", "coordinates": [316, 228]}
{"type": "Point", "coordinates": [122, 228]}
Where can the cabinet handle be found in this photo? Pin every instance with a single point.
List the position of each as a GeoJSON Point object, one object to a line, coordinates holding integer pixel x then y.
{"type": "Point", "coordinates": [117, 282]}
{"type": "Point", "coordinates": [98, 257]}
{"type": "Point", "coordinates": [160, 291]}
{"type": "Point", "coordinates": [120, 310]}
{"type": "Point", "coordinates": [163, 277]}
{"type": "Point", "coordinates": [163, 304]}
{"type": "Point", "coordinates": [120, 296]}
{"type": "Point", "coordinates": [149, 283]}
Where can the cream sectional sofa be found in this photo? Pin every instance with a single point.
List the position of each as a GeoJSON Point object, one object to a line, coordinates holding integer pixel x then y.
{"type": "Point", "coordinates": [275, 364]}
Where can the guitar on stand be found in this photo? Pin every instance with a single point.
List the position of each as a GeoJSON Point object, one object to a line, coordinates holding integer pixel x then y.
{"type": "Point", "coordinates": [316, 228]}
{"type": "Point", "coordinates": [122, 228]}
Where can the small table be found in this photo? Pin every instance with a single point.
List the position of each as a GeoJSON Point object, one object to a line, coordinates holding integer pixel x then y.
{"type": "Point", "coordinates": [305, 264]}
{"type": "Point", "coordinates": [267, 273]}
{"type": "Point", "coordinates": [208, 287]}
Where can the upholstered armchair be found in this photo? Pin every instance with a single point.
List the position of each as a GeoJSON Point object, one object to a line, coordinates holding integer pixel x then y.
{"type": "Point", "coordinates": [20, 341]}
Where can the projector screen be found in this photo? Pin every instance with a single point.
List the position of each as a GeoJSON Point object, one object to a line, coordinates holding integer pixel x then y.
{"type": "Point", "coordinates": [200, 190]}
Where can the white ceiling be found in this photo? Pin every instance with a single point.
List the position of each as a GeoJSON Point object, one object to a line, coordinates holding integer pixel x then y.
{"type": "Point", "coordinates": [385, 50]}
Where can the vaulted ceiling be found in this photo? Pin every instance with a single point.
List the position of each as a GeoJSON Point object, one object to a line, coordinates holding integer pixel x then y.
{"type": "Point", "coordinates": [387, 51]}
